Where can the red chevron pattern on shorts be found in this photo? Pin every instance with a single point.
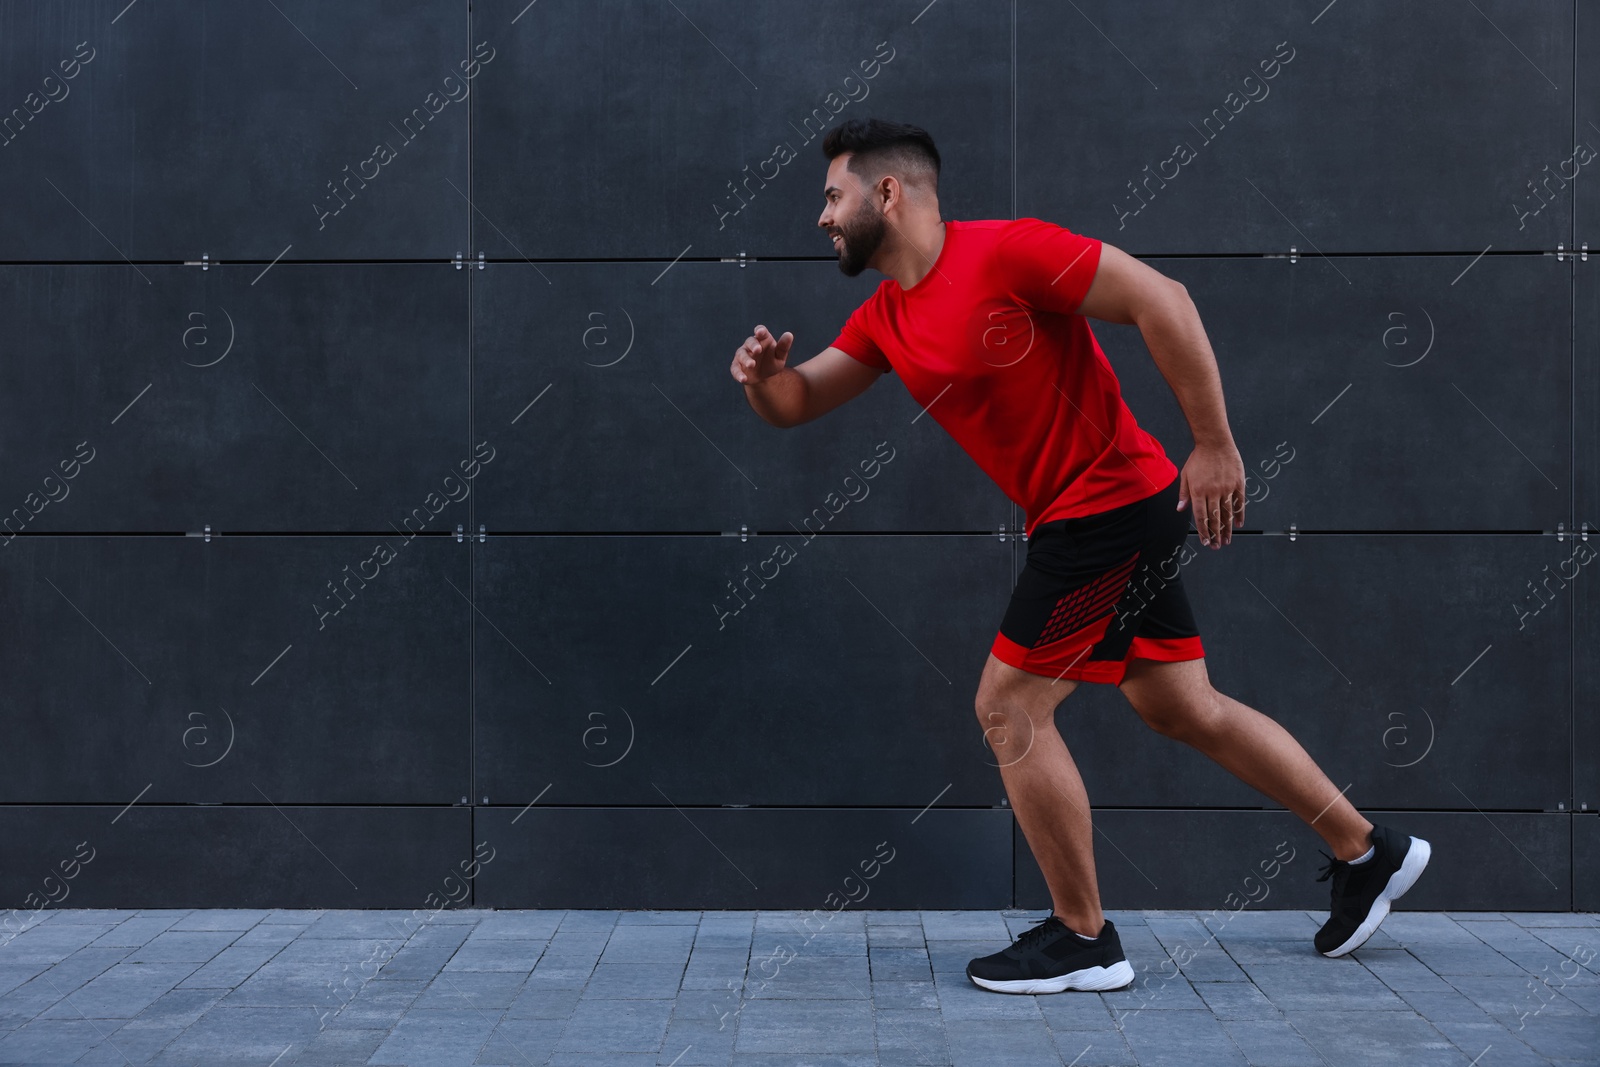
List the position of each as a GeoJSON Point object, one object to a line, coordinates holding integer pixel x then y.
{"type": "Point", "coordinates": [1087, 603]}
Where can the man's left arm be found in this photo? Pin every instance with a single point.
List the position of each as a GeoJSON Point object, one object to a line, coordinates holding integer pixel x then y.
{"type": "Point", "coordinates": [1129, 292]}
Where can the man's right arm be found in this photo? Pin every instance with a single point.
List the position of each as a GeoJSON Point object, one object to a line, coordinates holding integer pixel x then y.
{"type": "Point", "coordinates": [788, 396]}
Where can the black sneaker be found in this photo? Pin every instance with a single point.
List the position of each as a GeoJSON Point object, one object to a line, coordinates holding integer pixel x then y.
{"type": "Point", "coordinates": [1049, 958]}
{"type": "Point", "coordinates": [1362, 892]}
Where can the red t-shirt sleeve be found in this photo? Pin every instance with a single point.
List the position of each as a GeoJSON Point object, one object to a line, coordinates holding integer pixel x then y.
{"type": "Point", "coordinates": [855, 341]}
{"type": "Point", "coordinates": [1047, 267]}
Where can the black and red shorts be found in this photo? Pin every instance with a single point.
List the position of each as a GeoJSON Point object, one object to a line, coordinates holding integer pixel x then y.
{"type": "Point", "coordinates": [1099, 590]}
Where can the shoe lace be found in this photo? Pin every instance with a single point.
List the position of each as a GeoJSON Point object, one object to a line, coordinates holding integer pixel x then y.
{"type": "Point", "coordinates": [1037, 932]}
{"type": "Point", "coordinates": [1336, 869]}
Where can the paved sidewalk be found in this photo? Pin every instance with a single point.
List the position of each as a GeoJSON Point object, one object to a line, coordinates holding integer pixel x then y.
{"type": "Point", "coordinates": [216, 988]}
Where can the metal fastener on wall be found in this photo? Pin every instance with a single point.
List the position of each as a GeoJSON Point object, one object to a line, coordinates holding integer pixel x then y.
{"type": "Point", "coordinates": [483, 533]}
{"type": "Point", "coordinates": [1561, 531]}
{"type": "Point", "coordinates": [1583, 531]}
{"type": "Point", "coordinates": [458, 261]}
{"type": "Point", "coordinates": [1294, 254]}
{"type": "Point", "coordinates": [480, 260]}
{"type": "Point", "coordinates": [460, 533]}
{"type": "Point", "coordinates": [744, 532]}
{"type": "Point", "coordinates": [205, 260]}
{"type": "Point", "coordinates": [1561, 252]}
{"type": "Point", "coordinates": [1002, 531]}
{"type": "Point", "coordinates": [1294, 531]}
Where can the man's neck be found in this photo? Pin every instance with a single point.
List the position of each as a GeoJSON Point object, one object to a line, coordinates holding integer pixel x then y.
{"type": "Point", "coordinates": [919, 249]}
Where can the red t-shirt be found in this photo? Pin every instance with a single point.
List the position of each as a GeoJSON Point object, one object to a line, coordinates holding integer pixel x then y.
{"type": "Point", "coordinates": [991, 346]}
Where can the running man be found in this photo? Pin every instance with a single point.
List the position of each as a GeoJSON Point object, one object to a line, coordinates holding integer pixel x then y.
{"type": "Point", "coordinates": [987, 324]}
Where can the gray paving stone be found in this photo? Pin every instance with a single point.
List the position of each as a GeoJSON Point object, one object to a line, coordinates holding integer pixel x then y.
{"type": "Point", "coordinates": [633, 981]}
{"type": "Point", "coordinates": [337, 1048]}
{"type": "Point", "coordinates": [176, 1007]}
{"type": "Point", "coordinates": [231, 966]}
{"type": "Point", "coordinates": [174, 947]}
{"type": "Point", "coordinates": [1236, 1001]}
{"type": "Point", "coordinates": [442, 1038]}
{"type": "Point", "coordinates": [543, 1002]}
{"type": "Point", "coordinates": [489, 991]}
{"type": "Point", "coordinates": [226, 1034]}
{"type": "Point", "coordinates": [129, 1044]}
{"type": "Point", "coordinates": [649, 944]}
{"type": "Point", "coordinates": [879, 917]}
{"type": "Point", "coordinates": [487, 954]}
{"type": "Point", "coordinates": [896, 936]}
{"type": "Point", "coordinates": [1187, 1038]}
{"type": "Point", "coordinates": [49, 942]}
{"type": "Point", "coordinates": [1335, 985]}
{"type": "Point", "coordinates": [1570, 1037]}
{"type": "Point", "coordinates": [1016, 1042]}
{"type": "Point", "coordinates": [521, 1041]}
{"type": "Point", "coordinates": [121, 992]}
{"type": "Point", "coordinates": [14, 975]}
{"type": "Point", "coordinates": [805, 1026]}
{"type": "Point", "coordinates": [1489, 1043]}
{"type": "Point", "coordinates": [588, 919]}
{"type": "Point", "coordinates": [967, 926]}
{"type": "Point", "coordinates": [1094, 1048]}
{"type": "Point", "coordinates": [1379, 1038]}
{"type": "Point", "coordinates": [362, 925]}
{"type": "Point", "coordinates": [523, 925]}
{"type": "Point", "coordinates": [52, 1040]}
{"type": "Point", "coordinates": [911, 1035]}
{"type": "Point", "coordinates": [891, 994]}
{"type": "Point", "coordinates": [294, 916]}
{"type": "Point", "coordinates": [616, 1026]}
{"type": "Point", "coordinates": [960, 999]}
{"type": "Point", "coordinates": [83, 965]}
{"type": "Point", "coordinates": [952, 957]}
{"type": "Point", "coordinates": [1271, 1043]}
{"type": "Point", "coordinates": [1400, 970]}
{"type": "Point", "coordinates": [89, 916]}
{"type": "Point", "coordinates": [813, 977]}
{"type": "Point", "coordinates": [1531, 919]}
{"type": "Point", "coordinates": [690, 919]}
{"type": "Point", "coordinates": [237, 919]}
{"type": "Point", "coordinates": [900, 964]}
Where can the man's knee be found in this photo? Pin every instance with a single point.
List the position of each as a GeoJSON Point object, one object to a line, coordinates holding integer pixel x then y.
{"type": "Point", "coordinates": [1187, 717]}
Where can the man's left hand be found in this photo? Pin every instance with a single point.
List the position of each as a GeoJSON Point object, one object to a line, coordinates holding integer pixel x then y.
{"type": "Point", "coordinates": [1213, 480]}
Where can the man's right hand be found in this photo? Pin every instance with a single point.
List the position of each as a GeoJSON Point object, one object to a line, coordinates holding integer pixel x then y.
{"type": "Point", "coordinates": [760, 357]}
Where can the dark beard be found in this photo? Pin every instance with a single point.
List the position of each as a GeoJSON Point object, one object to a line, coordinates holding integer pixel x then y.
{"type": "Point", "coordinates": [862, 236]}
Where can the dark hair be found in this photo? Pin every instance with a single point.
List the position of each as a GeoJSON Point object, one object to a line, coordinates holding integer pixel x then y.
{"type": "Point", "coordinates": [878, 147]}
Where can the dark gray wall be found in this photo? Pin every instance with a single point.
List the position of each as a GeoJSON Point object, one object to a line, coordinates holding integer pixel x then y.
{"type": "Point", "coordinates": [520, 321]}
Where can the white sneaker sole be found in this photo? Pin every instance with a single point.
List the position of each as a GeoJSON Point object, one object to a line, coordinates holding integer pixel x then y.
{"type": "Point", "coordinates": [1400, 881]}
{"type": "Point", "coordinates": [1115, 976]}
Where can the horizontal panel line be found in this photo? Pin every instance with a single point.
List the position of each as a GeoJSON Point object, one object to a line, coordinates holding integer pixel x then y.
{"type": "Point", "coordinates": [492, 533]}
{"type": "Point", "coordinates": [470, 261]}
{"type": "Point", "coordinates": [357, 806]}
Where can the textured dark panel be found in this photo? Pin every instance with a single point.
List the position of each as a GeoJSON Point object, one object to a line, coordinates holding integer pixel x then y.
{"type": "Point", "coordinates": [1586, 862]}
{"type": "Point", "coordinates": [322, 398]}
{"type": "Point", "coordinates": [232, 857]}
{"type": "Point", "coordinates": [222, 128]}
{"type": "Point", "coordinates": [1425, 392]}
{"type": "Point", "coordinates": [643, 428]}
{"type": "Point", "coordinates": [604, 667]}
{"type": "Point", "coordinates": [1353, 145]}
{"type": "Point", "coordinates": [1583, 156]}
{"type": "Point", "coordinates": [1365, 648]}
{"type": "Point", "coordinates": [1195, 858]}
{"type": "Point", "coordinates": [619, 130]}
{"type": "Point", "coordinates": [554, 857]}
{"type": "Point", "coordinates": [147, 656]}
{"type": "Point", "coordinates": [1579, 562]}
